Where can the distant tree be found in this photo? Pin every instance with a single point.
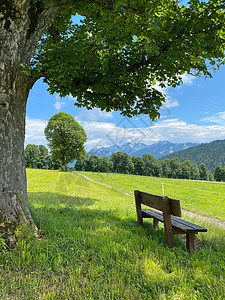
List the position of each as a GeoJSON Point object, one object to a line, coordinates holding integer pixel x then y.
{"type": "Point", "coordinates": [189, 170]}
{"type": "Point", "coordinates": [185, 169]}
{"type": "Point", "coordinates": [224, 173]}
{"type": "Point", "coordinates": [166, 168]}
{"type": "Point", "coordinates": [175, 166]}
{"type": "Point", "coordinates": [65, 138]}
{"type": "Point", "coordinates": [31, 156]}
{"type": "Point", "coordinates": [194, 171]}
{"type": "Point", "coordinates": [219, 174]}
{"type": "Point", "coordinates": [43, 154]}
{"type": "Point", "coordinates": [37, 157]}
{"type": "Point", "coordinates": [152, 166]}
{"type": "Point", "coordinates": [53, 164]}
{"type": "Point", "coordinates": [81, 163]}
{"type": "Point", "coordinates": [203, 172]}
{"type": "Point", "coordinates": [138, 165]}
{"type": "Point", "coordinates": [122, 163]}
{"type": "Point", "coordinates": [105, 164]}
{"type": "Point", "coordinates": [210, 176]}
{"type": "Point", "coordinates": [93, 163]}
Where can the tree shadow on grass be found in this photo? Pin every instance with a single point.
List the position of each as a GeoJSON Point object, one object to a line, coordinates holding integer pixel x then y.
{"type": "Point", "coordinates": [62, 211]}
{"type": "Point", "coordinates": [66, 211]}
{"type": "Point", "coordinates": [77, 208]}
{"type": "Point", "coordinates": [70, 209]}
{"type": "Point", "coordinates": [53, 199]}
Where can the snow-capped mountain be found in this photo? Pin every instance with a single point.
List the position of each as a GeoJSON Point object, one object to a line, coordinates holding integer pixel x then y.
{"type": "Point", "coordinates": [159, 149]}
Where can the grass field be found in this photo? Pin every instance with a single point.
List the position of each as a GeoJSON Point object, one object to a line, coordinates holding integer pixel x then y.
{"type": "Point", "coordinates": [91, 248]}
{"type": "Point", "coordinates": [207, 198]}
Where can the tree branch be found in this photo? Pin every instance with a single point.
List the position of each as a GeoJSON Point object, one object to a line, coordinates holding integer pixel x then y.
{"type": "Point", "coordinates": [55, 34]}
{"type": "Point", "coordinates": [44, 21]}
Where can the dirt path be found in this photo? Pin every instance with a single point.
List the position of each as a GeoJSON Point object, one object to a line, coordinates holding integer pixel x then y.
{"type": "Point", "coordinates": [186, 212]}
{"type": "Point", "coordinates": [109, 186]}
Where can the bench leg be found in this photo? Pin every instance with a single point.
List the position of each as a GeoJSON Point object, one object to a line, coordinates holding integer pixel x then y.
{"type": "Point", "coordinates": [139, 219]}
{"type": "Point", "coordinates": [155, 223]}
{"type": "Point", "coordinates": [138, 207]}
{"type": "Point", "coordinates": [169, 238]}
{"type": "Point", "coordinates": [167, 222]}
{"type": "Point", "coordinates": [190, 241]}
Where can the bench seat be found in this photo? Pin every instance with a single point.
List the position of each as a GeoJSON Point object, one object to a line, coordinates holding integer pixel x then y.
{"type": "Point", "coordinates": [177, 223]}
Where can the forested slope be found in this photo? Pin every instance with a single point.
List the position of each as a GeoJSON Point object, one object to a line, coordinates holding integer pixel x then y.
{"type": "Point", "coordinates": [211, 154]}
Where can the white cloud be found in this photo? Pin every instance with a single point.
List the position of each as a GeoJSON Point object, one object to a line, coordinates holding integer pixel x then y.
{"type": "Point", "coordinates": [176, 130]}
{"type": "Point", "coordinates": [105, 134]}
{"type": "Point", "coordinates": [70, 97]}
{"type": "Point", "coordinates": [173, 130]}
{"type": "Point", "coordinates": [170, 103]}
{"type": "Point", "coordinates": [98, 133]}
{"type": "Point", "coordinates": [96, 114]}
{"type": "Point", "coordinates": [58, 103]}
{"type": "Point", "coordinates": [217, 118]}
{"type": "Point", "coordinates": [188, 79]}
{"type": "Point", "coordinates": [35, 131]}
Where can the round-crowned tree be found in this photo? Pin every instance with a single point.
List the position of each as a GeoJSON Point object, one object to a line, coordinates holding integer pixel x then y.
{"type": "Point", "coordinates": [65, 138]}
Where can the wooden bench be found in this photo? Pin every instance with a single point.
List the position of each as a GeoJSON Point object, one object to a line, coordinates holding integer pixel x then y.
{"type": "Point", "coordinates": [167, 211]}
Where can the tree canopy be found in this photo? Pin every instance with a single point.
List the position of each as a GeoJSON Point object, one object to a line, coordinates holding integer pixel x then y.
{"type": "Point", "coordinates": [31, 156]}
{"type": "Point", "coordinates": [122, 48]}
{"type": "Point", "coordinates": [65, 138]}
{"type": "Point", "coordinates": [122, 163]}
{"type": "Point", "coordinates": [149, 165]}
{"type": "Point", "coordinates": [37, 157]}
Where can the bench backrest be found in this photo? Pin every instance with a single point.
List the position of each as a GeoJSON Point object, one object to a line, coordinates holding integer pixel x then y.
{"type": "Point", "coordinates": [156, 201]}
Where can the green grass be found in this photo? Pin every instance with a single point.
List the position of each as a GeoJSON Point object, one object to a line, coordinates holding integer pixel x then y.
{"type": "Point", "coordinates": [204, 197]}
{"type": "Point", "coordinates": [91, 248]}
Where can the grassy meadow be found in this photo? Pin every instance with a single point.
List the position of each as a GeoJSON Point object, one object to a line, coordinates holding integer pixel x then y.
{"type": "Point", "coordinates": [91, 248]}
{"type": "Point", "coordinates": [204, 197]}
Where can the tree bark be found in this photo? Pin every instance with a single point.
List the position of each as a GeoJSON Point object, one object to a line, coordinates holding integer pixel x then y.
{"type": "Point", "coordinates": [63, 166]}
{"type": "Point", "coordinates": [13, 187]}
{"type": "Point", "coordinates": [20, 29]}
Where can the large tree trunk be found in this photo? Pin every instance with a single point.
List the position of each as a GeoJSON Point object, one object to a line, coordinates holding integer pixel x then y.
{"type": "Point", "coordinates": [21, 26]}
{"type": "Point", "coordinates": [13, 188]}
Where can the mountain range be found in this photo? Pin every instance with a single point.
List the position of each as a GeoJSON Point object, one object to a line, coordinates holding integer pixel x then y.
{"type": "Point", "coordinates": [159, 149]}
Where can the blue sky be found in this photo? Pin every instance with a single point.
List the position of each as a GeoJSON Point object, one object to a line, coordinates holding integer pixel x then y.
{"type": "Point", "coordinates": [193, 112]}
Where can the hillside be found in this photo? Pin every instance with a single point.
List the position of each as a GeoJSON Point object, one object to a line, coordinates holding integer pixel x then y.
{"type": "Point", "coordinates": [211, 154]}
{"type": "Point", "coordinates": [159, 149]}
